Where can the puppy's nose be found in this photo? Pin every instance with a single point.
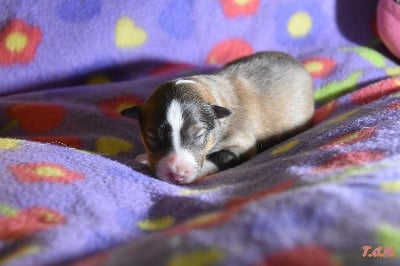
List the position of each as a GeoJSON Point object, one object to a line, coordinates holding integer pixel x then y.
{"type": "Point", "coordinates": [176, 168]}
{"type": "Point", "coordinates": [178, 172]}
{"type": "Point", "coordinates": [175, 177]}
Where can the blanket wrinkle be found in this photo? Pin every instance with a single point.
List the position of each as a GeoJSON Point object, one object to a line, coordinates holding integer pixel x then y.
{"type": "Point", "coordinates": [72, 194]}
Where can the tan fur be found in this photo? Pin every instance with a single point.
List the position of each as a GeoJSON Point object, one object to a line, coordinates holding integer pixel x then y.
{"type": "Point", "coordinates": [257, 117]}
{"type": "Point", "coordinates": [209, 145]}
{"type": "Point", "coordinates": [269, 95]}
{"type": "Point", "coordinates": [203, 89]}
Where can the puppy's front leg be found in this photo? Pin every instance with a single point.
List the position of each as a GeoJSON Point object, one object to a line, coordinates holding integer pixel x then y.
{"type": "Point", "coordinates": [224, 159]}
{"type": "Point", "coordinates": [218, 161]}
{"type": "Point", "coordinates": [233, 154]}
{"type": "Point", "coordinates": [208, 168]}
{"type": "Point", "coordinates": [142, 159]}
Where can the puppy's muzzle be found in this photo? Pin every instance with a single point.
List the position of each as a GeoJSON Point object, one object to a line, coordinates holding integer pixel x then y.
{"type": "Point", "coordinates": [177, 168]}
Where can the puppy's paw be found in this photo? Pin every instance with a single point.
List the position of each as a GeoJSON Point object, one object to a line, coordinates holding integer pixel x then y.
{"type": "Point", "coordinates": [209, 168]}
{"type": "Point", "coordinates": [142, 159]}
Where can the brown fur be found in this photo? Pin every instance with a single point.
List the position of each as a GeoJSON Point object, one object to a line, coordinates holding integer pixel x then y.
{"type": "Point", "coordinates": [260, 116]}
{"type": "Point", "coordinates": [269, 95]}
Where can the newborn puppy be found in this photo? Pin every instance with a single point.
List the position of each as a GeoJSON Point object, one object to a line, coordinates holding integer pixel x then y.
{"type": "Point", "coordinates": [201, 124]}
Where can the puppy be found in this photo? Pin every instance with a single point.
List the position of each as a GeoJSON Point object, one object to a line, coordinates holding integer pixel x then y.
{"type": "Point", "coordinates": [202, 124]}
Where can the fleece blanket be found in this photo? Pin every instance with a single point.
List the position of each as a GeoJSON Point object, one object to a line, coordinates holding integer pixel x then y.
{"type": "Point", "coordinates": [71, 193]}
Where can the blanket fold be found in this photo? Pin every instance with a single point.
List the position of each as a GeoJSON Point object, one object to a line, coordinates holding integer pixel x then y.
{"type": "Point", "coordinates": [71, 193]}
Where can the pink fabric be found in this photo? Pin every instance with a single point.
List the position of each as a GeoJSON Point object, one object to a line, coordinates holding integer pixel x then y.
{"type": "Point", "coordinates": [388, 20]}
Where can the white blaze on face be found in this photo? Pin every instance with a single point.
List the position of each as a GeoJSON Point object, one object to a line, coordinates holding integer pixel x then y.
{"type": "Point", "coordinates": [184, 81]}
{"type": "Point", "coordinates": [179, 165]}
{"type": "Point", "coordinates": [175, 120]}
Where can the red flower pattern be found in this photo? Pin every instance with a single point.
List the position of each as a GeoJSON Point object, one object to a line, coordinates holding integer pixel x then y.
{"type": "Point", "coordinates": [44, 172]}
{"type": "Point", "coordinates": [18, 42]}
{"type": "Point", "coordinates": [228, 50]}
{"type": "Point", "coordinates": [113, 107]}
{"type": "Point", "coordinates": [23, 223]}
{"type": "Point", "coordinates": [234, 8]}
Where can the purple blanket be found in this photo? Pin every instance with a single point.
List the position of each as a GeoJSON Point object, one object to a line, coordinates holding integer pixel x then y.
{"type": "Point", "coordinates": [71, 194]}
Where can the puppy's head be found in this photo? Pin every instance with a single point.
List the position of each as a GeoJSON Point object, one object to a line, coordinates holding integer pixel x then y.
{"type": "Point", "coordinates": [178, 129]}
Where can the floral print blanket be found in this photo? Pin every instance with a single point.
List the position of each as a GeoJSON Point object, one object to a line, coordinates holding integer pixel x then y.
{"type": "Point", "coordinates": [71, 193]}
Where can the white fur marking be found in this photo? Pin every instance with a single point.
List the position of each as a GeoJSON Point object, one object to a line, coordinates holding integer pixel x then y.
{"type": "Point", "coordinates": [208, 168]}
{"type": "Point", "coordinates": [142, 158]}
{"type": "Point", "coordinates": [175, 119]}
{"type": "Point", "coordinates": [183, 81]}
{"type": "Point", "coordinates": [184, 163]}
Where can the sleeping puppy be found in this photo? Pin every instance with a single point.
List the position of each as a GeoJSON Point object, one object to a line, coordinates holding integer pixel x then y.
{"type": "Point", "coordinates": [202, 124]}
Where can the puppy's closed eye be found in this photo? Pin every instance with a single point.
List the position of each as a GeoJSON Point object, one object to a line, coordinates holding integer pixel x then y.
{"type": "Point", "coordinates": [151, 135]}
{"type": "Point", "coordinates": [191, 131]}
{"type": "Point", "coordinates": [199, 133]}
{"type": "Point", "coordinates": [152, 138]}
{"type": "Point", "coordinates": [196, 135]}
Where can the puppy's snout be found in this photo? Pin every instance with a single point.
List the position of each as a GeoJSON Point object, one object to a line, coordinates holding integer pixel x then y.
{"type": "Point", "coordinates": [176, 168]}
{"type": "Point", "coordinates": [177, 177]}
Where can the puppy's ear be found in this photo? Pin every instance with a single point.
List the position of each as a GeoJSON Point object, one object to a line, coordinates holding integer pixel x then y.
{"type": "Point", "coordinates": [221, 112]}
{"type": "Point", "coordinates": [132, 112]}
